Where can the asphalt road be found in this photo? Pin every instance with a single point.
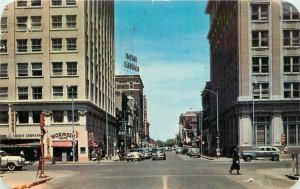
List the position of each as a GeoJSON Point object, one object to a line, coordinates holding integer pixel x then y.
{"type": "Point", "coordinates": [177, 172]}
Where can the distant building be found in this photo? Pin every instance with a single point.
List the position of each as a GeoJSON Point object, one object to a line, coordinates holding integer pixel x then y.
{"type": "Point", "coordinates": [188, 127]}
{"type": "Point", "coordinates": [255, 68]}
{"type": "Point", "coordinates": [53, 53]}
{"type": "Point", "coordinates": [132, 86]}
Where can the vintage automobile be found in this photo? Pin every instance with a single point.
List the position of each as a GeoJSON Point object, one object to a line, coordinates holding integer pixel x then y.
{"type": "Point", "coordinates": [135, 154]}
{"type": "Point", "coordinates": [11, 162]}
{"type": "Point", "coordinates": [158, 153]}
{"type": "Point", "coordinates": [194, 152]}
{"type": "Point", "coordinates": [261, 152]}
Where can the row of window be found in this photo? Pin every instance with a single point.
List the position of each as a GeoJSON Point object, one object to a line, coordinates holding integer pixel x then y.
{"type": "Point", "coordinates": [261, 38]}
{"type": "Point", "coordinates": [291, 90]}
{"type": "Point", "coordinates": [25, 117]}
{"type": "Point", "coordinates": [37, 92]}
{"type": "Point", "coordinates": [291, 64]}
{"type": "Point", "coordinates": [36, 45]}
{"type": "Point", "coordinates": [35, 69]}
{"type": "Point", "coordinates": [260, 12]}
{"type": "Point", "coordinates": [38, 3]}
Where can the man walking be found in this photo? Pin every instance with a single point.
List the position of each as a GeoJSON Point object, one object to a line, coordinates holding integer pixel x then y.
{"type": "Point", "coordinates": [235, 162]}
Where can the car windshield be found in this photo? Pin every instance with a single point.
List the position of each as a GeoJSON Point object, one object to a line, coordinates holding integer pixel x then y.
{"type": "Point", "coordinates": [3, 154]}
{"type": "Point", "coordinates": [195, 150]}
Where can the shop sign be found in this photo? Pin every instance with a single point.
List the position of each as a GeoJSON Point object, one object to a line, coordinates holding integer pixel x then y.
{"type": "Point", "coordinates": [20, 136]}
{"type": "Point", "coordinates": [62, 135]}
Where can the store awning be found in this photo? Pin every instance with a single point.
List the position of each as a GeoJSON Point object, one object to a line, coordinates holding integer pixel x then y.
{"type": "Point", "coordinates": [64, 143]}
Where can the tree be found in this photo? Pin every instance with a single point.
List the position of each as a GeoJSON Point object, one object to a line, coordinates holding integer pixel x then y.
{"type": "Point", "coordinates": [170, 142]}
{"type": "Point", "coordinates": [160, 143]}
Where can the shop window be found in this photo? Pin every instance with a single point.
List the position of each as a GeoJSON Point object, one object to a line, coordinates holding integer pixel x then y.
{"type": "Point", "coordinates": [58, 116]}
{"type": "Point", "coordinates": [23, 117]}
{"type": "Point", "coordinates": [3, 116]}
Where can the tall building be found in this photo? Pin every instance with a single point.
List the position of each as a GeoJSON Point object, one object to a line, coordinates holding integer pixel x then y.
{"type": "Point", "coordinates": [57, 57]}
{"type": "Point", "coordinates": [188, 127]}
{"type": "Point", "coordinates": [255, 60]}
{"type": "Point", "coordinates": [132, 86]}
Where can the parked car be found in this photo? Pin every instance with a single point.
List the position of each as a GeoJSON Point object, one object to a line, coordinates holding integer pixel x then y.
{"type": "Point", "coordinates": [146, 153]}
{"type": "Point", "coordinates": [194, 152]}
{"type": "Point", "coordinates": [158, 153]}
{"type": "Point", "coordinates": [261, 152]}
{"type": "Point", "coordinates": [179, 150]}
{"type": "Point", "coordinates": [134, 154]}
{"type": "Point", "coordinates": [11, 162]}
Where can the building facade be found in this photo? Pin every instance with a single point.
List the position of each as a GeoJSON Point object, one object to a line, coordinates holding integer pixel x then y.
{"type": "Point", "coordinates": [132, 86]}
{"type": "Point", "coordinates": [188, 128]}
{"type": "Point", "coordinates": [254, 58]}
{"type": "Point", "coordinates": [57, 57]}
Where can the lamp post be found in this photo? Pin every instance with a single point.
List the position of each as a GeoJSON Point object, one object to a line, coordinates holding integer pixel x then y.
{"type": "Point", "coordinates": [218, 132]}
{"type": "Point", "coordinates": [73, 133]}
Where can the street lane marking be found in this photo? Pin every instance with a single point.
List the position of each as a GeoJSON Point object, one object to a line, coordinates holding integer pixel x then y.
{"type": "Point", "coordinates": [165, 182]}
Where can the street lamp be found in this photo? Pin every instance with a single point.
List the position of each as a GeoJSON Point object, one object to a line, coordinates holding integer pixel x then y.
{"type": "Point", "coordinates": [73, 137]}
{"type": "Point", "coordinates": [218, 132]}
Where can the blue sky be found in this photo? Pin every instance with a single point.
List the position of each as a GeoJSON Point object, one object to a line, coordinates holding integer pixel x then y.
{"type": "Point", "coordinates": [169, 39]}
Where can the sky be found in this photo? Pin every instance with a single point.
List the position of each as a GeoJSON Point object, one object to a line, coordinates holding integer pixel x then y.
{"type": "Point", "coordinates": [169, 39]}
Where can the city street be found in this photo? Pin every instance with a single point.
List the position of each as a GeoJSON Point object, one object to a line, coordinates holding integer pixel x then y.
{"type": "Point", "coordinates": [177, 172]}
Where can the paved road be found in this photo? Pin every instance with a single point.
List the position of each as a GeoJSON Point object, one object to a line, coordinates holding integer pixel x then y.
{"type": "Point", "coordinates": [177, 172]}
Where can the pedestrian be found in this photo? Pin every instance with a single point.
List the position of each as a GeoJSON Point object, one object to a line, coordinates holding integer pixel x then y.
{"type": "Point", "coordinates": [35, 154]}
{"type": "Point", "coordinates": [235, 162]}
{"type": "Point", "coordinates": [293, 163]}
{"type": "Point", "coordinates": [22, 154]}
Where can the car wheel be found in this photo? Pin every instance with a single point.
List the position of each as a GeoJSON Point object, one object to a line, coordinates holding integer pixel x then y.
{"type": "Point", "coordinates": [276, 158]}
{"type": "Point", "coordinates": [165, 158]}
{"type": "Point", "coordinates": [248, 159]}
{"type": "Point", "coordinates": [11, 167]}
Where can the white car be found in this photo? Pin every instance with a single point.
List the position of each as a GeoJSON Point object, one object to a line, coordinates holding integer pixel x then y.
{"type": "Point", "coordinates": [11, 162]}
{"type": "Point", "coordinates": [134, 155]}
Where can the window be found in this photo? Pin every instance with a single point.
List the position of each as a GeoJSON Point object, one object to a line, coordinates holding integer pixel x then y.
{"type": "Point", "coordinates": [56, 2]}
{"type": "Point", "coordinates": [36, 22]}
{"type": "Point", "coordinates": [56, 21]}
{"type": "Point", "coordinates": [21, 45]}
{"type": "Point", "coordinates": [3, 46]}
{"type": "Point", "coordinates": [36, 117]}
{"type": "Point", "coordinates": [3, 24]}
{"type": "Point", "coordinates": [22, 23]}
{"type": "Point", "coordinates": [260, 64]}
{"type": "Point", "coordinates": [3, 93]}
{"type": "Point", "coordinates": [71, 44]}
{"type": "Point", "coordinates": [58, 92]}
{"type": "Point", "coordinates": [36, 45]}
{"type": "Point", "coordinates": [291, 38]}
{"type": "Point", "coordinates": [21, 3]}
{"type": "Point", "coordinates": [37, 69]}
{"type": "Point", "coordinates": [289, 11]}
{"type": "Point", "coordinates": [35, 3]}
{"type": "Point", "coordinates": [260, 39]}
{"type": "Point", "coordinates": [37, 93]}
{"type": "Point", "coordinates": [58, 116]}
{"type": "Point", "coordinates": [57, 68]}
{"type": "Point", "coordinates": [22, 69]}
{"type": "Point", "coordinates": [70, 2]}
{"type": "Point", "coordinates": [23, 117]}
{"type": "Point", "coordinates": [76, 116]}
{"type": "Point", "coordinates": [3, 70]}
{"type": "Point", "coordinates": [291, 90]}
{"type": "Point", "coordinates": [57, 44]}
{"type": "Point", "coordinates": [71, 21]}
{"type": "Point", "coordinates": [23, 93]}
{"type": "Point", "coordinates": [3, 117]}
{"type": "Point", "coordinates": [72, 91]}
{"type": "Point", "coordinates": [259, 12]}
{"type": "Point", "coordinates": [261, 90]}
{"type": "Point", "coordinates": [291, 64]}
{"type": "Point", "coordinates": [71, 68]}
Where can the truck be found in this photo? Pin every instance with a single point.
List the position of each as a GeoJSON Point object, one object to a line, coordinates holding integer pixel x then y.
{"type": "Point", "coordinates": [11, 162]}
{"type": "Point", "coordinates": [261, 152]}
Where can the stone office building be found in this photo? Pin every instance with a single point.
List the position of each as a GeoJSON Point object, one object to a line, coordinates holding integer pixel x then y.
{"type": "Point", "coordinates": [254, 62]}
{"type": "Point", "coordinates": [57, 57]}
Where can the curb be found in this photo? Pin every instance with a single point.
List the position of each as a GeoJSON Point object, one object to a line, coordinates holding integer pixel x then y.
{"type": "Point", "coordinates": [29, 185]}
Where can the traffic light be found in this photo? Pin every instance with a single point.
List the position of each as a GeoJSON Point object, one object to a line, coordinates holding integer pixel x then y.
{"type": "Point", "coordinates": [283, 138]}
{"type": "Point", "coordinates": [42, 120]}
{"type": "Point", "coordinates": [76, 134]}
